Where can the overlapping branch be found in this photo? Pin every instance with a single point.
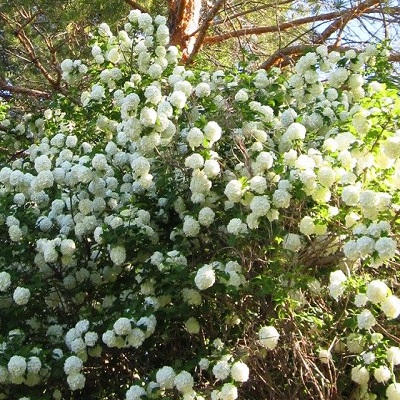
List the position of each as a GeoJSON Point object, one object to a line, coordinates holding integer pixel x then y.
{"type": "Point", "coordinates": [31, 55]}
{"type": "Point", "coordinates": [6, 89]}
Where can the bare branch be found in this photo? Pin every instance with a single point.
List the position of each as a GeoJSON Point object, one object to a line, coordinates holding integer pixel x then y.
{"type": "Point", "coordinates": [31, 53]}
{"type": "Point", "coordinates": [4, 87]}
{"type": "Point", "coordinates": [272, 28]}
{"type": "Point", "coordinates": [343, 20]}
{"type": "Point", "coordinates": [135, 5]}
{"type": "Point", "coordinates": [337, 16]}
{"type": "Point", "coordinates": [253, 10]}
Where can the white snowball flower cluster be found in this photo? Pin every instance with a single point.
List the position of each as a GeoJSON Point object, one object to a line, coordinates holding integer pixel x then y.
{"type": "Point", "coordinates": [17, 366]}
{"type": "Point", "coordinates": [205, 277]}
{"type": "Point", "coordinates": [165, 377]}
{"type": "Point", "coordinates": [184, 382]}
{"type": "Point", "coordinates": [268, 337]}
{"type": "Point", "coordinates": [292, 242]}
{"type": "Point", "coordinates": [5, 281]}
{"type": "Point", "coordinates": [72, 367]}
{"type": "Point", "coordinates": [360, 375]}
{"type": "Point", "coordinates": [118, 255]}
{"type": "Point", "coordinates": [135, 392]}
{"type": "Point", "coordinates": [240, 371]}
{"type": "Point", "coordinates": [81, 341]}
{"type": "Point", "coordinates": [21, 296]}
{"type": "Point", "coordinates": [221, 369]}
{"type": "Point", "coordinates": [192, 326]}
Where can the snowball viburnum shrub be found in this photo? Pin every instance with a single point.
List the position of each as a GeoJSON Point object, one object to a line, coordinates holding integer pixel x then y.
{"type": "Point", "coordinates": [202, 218]}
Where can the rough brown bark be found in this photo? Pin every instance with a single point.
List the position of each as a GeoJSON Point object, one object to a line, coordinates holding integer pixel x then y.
{"type": "Point", "coordinates": [184, 20]}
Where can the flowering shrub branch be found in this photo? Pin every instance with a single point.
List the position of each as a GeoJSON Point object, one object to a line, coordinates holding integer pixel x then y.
{"type": "Point", "coordinates": [192, 234]}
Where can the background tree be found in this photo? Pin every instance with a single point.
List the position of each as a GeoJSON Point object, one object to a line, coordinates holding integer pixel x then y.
{"type": "Point", "coordinates": [36, 36]}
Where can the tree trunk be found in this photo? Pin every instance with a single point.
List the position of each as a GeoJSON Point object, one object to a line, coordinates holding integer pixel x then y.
{"type": "Point", "coordinates": [183, 21]}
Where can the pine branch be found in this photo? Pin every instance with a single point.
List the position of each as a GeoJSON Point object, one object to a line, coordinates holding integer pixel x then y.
{"type": "Point", "coordinates": [4, 87]}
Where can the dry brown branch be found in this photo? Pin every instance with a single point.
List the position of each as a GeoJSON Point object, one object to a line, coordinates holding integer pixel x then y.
{"type": "Point", "coordinates": [273, 28]}
{"type": "Point", "coordinates": [343, 20]}
{"type": "Point", "coordinates": [4, 87]}
{"type": "Point", "coordinates": [135, 5]}
{"type": "Point", "coordinates": [253, 10]}
{"type": "Point", "coordinates": [340, 19]}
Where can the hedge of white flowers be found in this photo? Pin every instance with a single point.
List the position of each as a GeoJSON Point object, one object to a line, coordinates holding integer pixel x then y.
{"type": "Point", "coordinates": [187, 234]}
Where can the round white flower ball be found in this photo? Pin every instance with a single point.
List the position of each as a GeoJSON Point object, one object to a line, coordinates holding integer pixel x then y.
{"type": "Point", "coordinates": [206, 216]}
{"type": "Point", "coordinates": [377, 291]}
{"type": "Point", "coordinates": [194, 161]}
{"type": "Point", "coordinates": [240, 371]}
{"type": "Point", "coordinates": [205, 277]}
{"type": "Point", "coordinates": [211, 168]}
{"type": "Point", "coordinates": [382, 374]}
{"type": "Point", "coordinates": [260, 205]}
{"type": "Point", "coordinates": [360, 375]}
{"type": "Point", "coordinates": [295, 131]}
{"type": "Point", "coordinates": [203, 89]}
{"type": "Point", "coordinates": [393, 391]}
{"type": "Point", "coordinates": [118, 255]}
{"type": "Point", "coordinates": [191, 226]}
{"type": "Point", "coordinates": [212, 131]}
{"type": "Point", "coordinates": [135, 392]}
{"type": "Point", "coordinates": [221, 370]}
{"type": "Point", "coordinates": [228, 392]}
{"type": "Point", "coordinates": [258, 184]}
{"type": "Point", "coordinates": [268, 337]}
{"type": "Point", "coordinates": [307, 226]}
{"type": "Point", "coordinates": [195, 137]}
{"type": "Point", "coordinates": [21, 295]}
{"type": "Point", "coordinates": [292, 242]}
{"type": "Point", "coordinates": [233, 191]}
{"type": "Point", "coordinates": [241, 96]}
{"type": "Point", "coordinates": [122, 326]}
{"type": "Point", "coordinates": [17, 366]}
{"type": "Point", "coordinates": [204, 363]}
{"type": "Point", "coordinates": [365, 320]}
{"type": "Point", "coordinates": [73, 365]}
{"type": "Point", "coordinates": [391, 306]}
{"type": "Point", "coordinates": [386, 248]}
{"type": "Point", "coordinates": [165, 377]}
{"type": "Point", "coordinates": [236, 226]}
{"type": "Point", "coordinates": [76, 381]}
{"type": "Point", "coordinates": [393, 355]}
{"type": "Point", "coordinates": [5, 281]}
{"type": "Point", "coordinates": [192, 326]}
{"type": "Point", "coordinates": [178, 99]}
{"type": "Point", "coordinates": [184, 382]}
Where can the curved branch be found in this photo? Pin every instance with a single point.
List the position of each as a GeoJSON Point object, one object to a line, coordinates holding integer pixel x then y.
{"type": "Point", "coordinates": [31, 53]}
{"type": "Point", "coordinates": [338, 16]}
{"type": "Point", "coordinates": [135, 6]}
{"type": "Point", "coordinates": [352, 13]}
{"type": "Point", "coordinates": [272, 28]}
